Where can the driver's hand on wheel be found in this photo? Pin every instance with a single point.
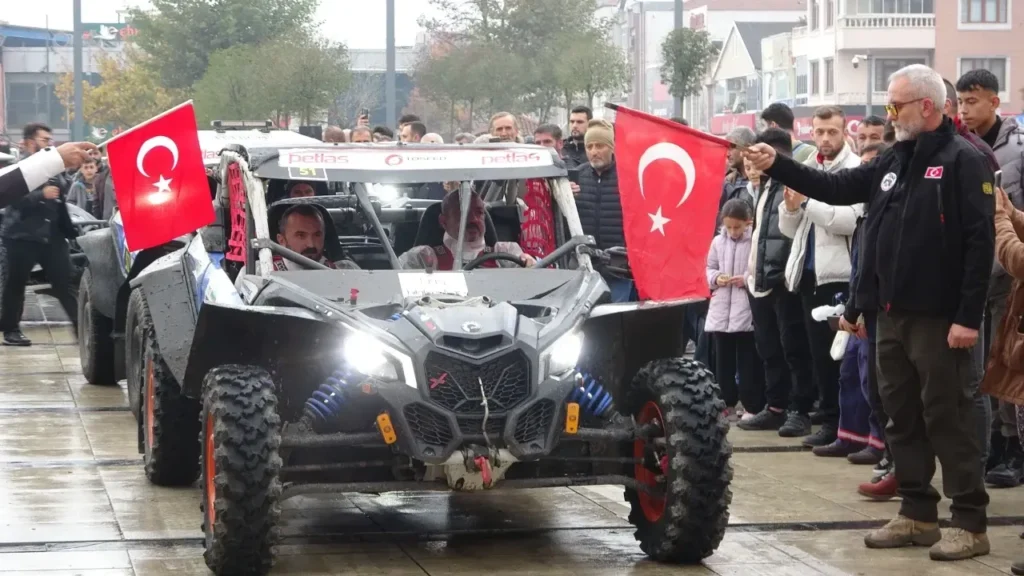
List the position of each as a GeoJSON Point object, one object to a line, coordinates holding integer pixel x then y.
{"type": "Point", "coordinates": [762, 156]}
{"type": "Point", "coordinates": [528, 261]}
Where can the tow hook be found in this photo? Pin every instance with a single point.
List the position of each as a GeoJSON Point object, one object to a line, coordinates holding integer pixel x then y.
{"type": "Point", "coordinates": [484, 465]}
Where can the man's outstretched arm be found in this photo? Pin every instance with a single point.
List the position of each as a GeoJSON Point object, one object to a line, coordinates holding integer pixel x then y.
{"type": "Point", "coordinates": [842, 188]}
{"type": "Point", "coordinates": [18, 180]}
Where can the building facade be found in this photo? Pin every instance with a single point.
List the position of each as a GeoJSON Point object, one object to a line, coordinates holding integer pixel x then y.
{"type": "Point", "coordinates": [649, 22]}
{"type": "Point", "coordinates": [983, 34]}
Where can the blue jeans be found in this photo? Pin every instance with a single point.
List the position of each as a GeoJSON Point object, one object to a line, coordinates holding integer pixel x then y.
{"type": "Point", "coordinates": [623, 289]}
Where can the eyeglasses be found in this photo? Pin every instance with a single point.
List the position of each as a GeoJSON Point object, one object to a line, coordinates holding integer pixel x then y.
{"type": "Point", "coordinates": [893, 108]}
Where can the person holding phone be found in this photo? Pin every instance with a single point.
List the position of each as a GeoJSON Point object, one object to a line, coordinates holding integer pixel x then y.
{"type": "Point", "coordinates": [729, 317]}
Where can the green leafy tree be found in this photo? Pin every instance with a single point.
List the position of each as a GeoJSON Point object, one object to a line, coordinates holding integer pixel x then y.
{"type": "Point", "coordinates": [284, 77]}
{"type": "Point", "coordinates": [686, 57]}
{"type": "Point", "coordinates": [182, 35]}
{"type": "Point", "coordinates": [129, 92]}
{"type": "Point", "coordinates": [590, 65]}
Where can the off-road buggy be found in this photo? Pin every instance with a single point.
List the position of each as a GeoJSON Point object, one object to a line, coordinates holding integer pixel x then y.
{"type": "Point", "coordinates": [271, 384]}
{"type": "Point", "coordinates": [106, 264]}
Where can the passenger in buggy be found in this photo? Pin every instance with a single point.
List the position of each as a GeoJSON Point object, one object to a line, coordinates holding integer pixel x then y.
{"type": "Point", "coordinates": [442, 256]}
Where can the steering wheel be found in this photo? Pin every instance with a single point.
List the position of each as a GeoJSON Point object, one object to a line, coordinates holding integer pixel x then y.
{"type": "Point", "coordinates": [480, 260]}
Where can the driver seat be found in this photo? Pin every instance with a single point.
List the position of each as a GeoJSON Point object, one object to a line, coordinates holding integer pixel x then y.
{"type": "Point", "coordinates": [332, 246]}
{"type": "Point", "coordinates": [430, 232]}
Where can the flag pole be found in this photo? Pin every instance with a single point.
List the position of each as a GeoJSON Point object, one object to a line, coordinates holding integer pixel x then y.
{"type": "Point", "coordinates": [665, 122]}
{"type": "Point", "coordinates": [139, 125]}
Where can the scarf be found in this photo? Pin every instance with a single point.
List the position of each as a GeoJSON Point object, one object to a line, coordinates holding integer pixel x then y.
{"type": "Point", "coordinates": [470, 250]}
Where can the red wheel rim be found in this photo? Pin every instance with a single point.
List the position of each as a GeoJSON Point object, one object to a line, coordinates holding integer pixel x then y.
{"type": "Point", "coordinates": [653, 506]}
{"type": "Point", "coordinates": [210, 472]}
{"type": "Point", "coordinates": [150, 409]}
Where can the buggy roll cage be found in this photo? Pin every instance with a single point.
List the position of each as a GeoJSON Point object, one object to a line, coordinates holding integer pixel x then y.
{"type": "Point", "coordinates": [363, 164]}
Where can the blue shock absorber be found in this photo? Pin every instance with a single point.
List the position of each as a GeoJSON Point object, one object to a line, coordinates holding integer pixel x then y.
{"type": "Point", "coordinates": [327, 401]}
{"type": "Point", "coordinates": [592, 397]}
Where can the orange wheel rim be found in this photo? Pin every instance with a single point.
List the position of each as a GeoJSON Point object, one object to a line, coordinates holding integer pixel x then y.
{"type": "Point", "coordinates": [150, 400]}
{"type": "Point", "coordinates": [210, 472]}
{"type": "Point", "coordinates": [652, 506]}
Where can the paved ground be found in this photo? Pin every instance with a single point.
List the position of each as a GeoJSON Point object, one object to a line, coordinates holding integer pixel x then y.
{"type": "Point", "coordinates": [74, 501]}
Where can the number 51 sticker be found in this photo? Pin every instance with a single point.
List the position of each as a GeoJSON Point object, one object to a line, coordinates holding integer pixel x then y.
{"type": "Point", "coordinates": [305, 173]}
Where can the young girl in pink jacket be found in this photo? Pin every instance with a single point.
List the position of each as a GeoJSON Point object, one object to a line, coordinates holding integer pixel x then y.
{"type": "Point", "coordinates": [729, 317]}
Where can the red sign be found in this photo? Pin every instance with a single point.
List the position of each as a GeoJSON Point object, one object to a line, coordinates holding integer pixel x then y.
{"type": "Point", "coordinates": [239, 220]}
{"type": "Point", "coordinates": [160, 180]}
{"type": "Point", "coordinates": [721, 124]}
{"type": "Point", "coordinates": [670, 182]}
{"type": "Point", "coordinates": [933, 173]}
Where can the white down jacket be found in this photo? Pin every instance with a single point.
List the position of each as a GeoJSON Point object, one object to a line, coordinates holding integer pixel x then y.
{"type": "Point", "coordinates": [833, 230]}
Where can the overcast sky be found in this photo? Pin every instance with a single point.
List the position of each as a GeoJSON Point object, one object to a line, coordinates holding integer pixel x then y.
{"type": "Point", "coordinates": [357, 23]}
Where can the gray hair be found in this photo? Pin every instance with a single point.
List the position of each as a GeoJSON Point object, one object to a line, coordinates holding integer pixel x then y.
{"type": "Point", "coordinates": [432, 138]}
{"type": "Point", "coordinates": [926, 83]}
{"type": "Point", "coordinates": [741, 136]}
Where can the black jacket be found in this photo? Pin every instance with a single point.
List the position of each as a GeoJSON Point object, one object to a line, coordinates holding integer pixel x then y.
{"type": "Point", "coordinates": [37, 219]}
{"type": "Point", "coordinates": [772, 245]}
{"type": "Point", "coordinates": [599, 206]}
{"type": "Point", "coordinates": [929, 237]}
{"type": "Point", "coordinates": [574, 152]}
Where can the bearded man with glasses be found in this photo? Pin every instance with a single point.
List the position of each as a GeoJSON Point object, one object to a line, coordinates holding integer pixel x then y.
{"type": "Point", "coordinates": [926, 258]}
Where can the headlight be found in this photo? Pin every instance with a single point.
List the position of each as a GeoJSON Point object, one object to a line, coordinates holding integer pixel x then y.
{"type": "Point", "coordinates": [369, 356]}
{"type": "Point", "coordinates": [565, 353]}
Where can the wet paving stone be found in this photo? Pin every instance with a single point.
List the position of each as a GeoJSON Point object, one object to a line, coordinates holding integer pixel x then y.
{"type": "Point", "coordinates": [74, 499]}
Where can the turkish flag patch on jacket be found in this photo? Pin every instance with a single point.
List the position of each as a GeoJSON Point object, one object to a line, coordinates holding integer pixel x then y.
{"type": "Point", "coordinates": [670, 182]}
{"type": "Point", "coordinates": [159, 179]}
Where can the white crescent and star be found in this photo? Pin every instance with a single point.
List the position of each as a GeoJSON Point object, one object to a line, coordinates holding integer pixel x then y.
{"type": "Point", "coordinates": [151, 144]}
{"type": "Point", "coordinates": [163, 185]}
{"type": "Point", "coordinates": [675, 153]}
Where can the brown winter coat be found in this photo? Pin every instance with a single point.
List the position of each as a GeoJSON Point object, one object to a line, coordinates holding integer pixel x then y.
{"type": "Point", "coordinates": [1004, 374]}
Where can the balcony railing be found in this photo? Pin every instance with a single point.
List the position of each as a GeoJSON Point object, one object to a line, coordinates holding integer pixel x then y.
{"type": "Point", "coordinates": [893, 21]}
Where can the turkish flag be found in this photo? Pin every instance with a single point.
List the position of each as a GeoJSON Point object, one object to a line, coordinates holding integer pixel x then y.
{"type": "Point", "coordinates": [670, 183]}
{"type": "Point", "coordinates": [159, 178]}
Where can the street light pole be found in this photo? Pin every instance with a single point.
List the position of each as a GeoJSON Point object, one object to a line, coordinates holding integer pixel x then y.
{"type": "Point", "coordinates": [871, 84]}
{"type": "Point", "coordinates": [78, 126]}
{"type": "Point", "coordinates": [679, 26]}
{"type": "Point", "coordinates": [389, 77]}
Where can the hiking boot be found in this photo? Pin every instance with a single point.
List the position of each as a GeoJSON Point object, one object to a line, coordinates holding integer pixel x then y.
{"type": "Point", "coordinates": [1017, 568]}
{"type": "Point", "coordinates": [868, 456]}
{"type": "Point", "coordinates": [827, 434]}
{"type": "Point", "coordinates": [880, 488]}
{"type": "Point", "coordinates": [766, 419]}
{"type": "Point", "coordinates": [16, 338]}
{"type": "Point", "coordinates": [837, 449]}
{"type": "Point", "coordinates": [796, 425]}
{"type": "Point", "coordinates": [1009, 473]}
{"type": "Point", "coordinates": [902, 531]}
{"type": "Point", "coordinates": [959, 544]}
{"type": "Point", "coordinates": [817, 418]}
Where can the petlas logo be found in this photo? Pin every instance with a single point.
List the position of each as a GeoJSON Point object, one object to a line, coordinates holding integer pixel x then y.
{"type": "Point", "coordinates": [317, 158]}
{"type": "Point", "coordinates": [511, 157]}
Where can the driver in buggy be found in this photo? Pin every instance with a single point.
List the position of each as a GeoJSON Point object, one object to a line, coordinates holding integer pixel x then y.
{"type": "Point", "coordinates": [301, 229]}
{"type": "Point", "coordinates": [443, 257]}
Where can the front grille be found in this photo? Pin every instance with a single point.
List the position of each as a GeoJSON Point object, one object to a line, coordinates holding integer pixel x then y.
{"type": "Point", "coordinates": [455, 384]}
{"type": "Point", "coordinates": [534, 423]}
{"type": "Point", "coordinates": [472, 427]}
{"type": "Point", "coordinates": [428, 427]}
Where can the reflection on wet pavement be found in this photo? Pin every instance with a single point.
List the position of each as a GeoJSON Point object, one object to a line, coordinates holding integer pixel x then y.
{"type": "Point", "coordinates": [74, 500]}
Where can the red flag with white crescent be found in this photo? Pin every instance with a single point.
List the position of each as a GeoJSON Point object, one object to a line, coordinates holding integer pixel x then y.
{"type": "Point", "coordinates": [159, 178]}
{"type": "Point", "coordinates": [670, 183]}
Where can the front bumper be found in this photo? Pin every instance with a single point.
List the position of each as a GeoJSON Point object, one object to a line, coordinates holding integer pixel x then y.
{"type": "Point", "coordinates": [445, 414]}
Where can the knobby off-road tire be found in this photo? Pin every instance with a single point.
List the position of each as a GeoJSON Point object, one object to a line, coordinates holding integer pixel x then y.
{"type": "Point", "coordinates": [169, 420]}
{"type": "Point", "coordinates": [689, 523]}
{"type": "Point", "coordinates": [95, 339]}
{"type": "Point", "coordinates": [241, 470]}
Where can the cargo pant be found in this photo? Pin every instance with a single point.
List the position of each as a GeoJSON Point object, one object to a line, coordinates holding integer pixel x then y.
{"type": "Point", "coordinates": [925, 390]}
